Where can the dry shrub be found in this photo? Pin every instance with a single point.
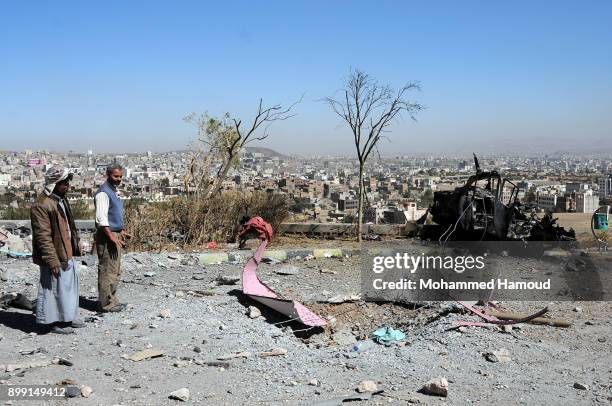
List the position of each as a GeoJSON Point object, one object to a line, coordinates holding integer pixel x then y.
{"type": "Point", "coordinates": [190, 221]}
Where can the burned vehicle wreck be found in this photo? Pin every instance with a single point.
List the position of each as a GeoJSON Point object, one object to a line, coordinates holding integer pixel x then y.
{"type": "Point", "coordinates": [486, 208]}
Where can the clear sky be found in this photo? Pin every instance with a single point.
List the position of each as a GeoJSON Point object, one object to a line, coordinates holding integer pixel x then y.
{"type": "Point", "coordinates": [511, 76]}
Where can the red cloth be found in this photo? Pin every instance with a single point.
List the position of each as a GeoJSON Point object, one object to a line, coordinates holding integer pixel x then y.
{"type": "Point", "coordinates": [259, 227]}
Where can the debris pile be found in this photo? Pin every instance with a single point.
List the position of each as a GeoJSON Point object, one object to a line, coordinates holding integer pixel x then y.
{"type": "Point", "coordinates": [14, 245]}
{"type": "Point", "coordinates": [486, 208]}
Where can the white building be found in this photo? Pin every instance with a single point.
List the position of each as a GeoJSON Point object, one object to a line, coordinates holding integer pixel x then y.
{"type": "Point", "coordinates": [605, 187]}
{"type": "Point", "coordinates": [546, 201]}
{"type": "Point", "coordinates": [586, 202]}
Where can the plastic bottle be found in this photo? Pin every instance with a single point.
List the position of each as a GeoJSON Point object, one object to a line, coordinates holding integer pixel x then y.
{"type": "Point", "coordinates": [363, 345]}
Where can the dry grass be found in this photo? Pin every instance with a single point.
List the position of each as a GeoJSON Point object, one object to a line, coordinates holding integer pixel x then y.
{"type": "Point", "coordinates": [190, 222]}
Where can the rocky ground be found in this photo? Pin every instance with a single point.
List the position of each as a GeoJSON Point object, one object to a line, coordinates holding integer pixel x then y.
{"type": "Point", "coordinates": [212, 346]}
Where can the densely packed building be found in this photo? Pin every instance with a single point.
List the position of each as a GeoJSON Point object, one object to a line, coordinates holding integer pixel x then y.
{"type": "Point", "coordinates": [323, 188]}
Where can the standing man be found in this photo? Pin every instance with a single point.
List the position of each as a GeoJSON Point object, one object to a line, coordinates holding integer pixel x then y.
{"type": "Point", "coordinates": [110, 239]}
{"type": "Point", "coordinates": [54, 244]}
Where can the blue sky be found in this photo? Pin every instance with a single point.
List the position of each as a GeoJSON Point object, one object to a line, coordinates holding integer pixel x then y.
{"type": "Point", "coordinates": [119, 76]}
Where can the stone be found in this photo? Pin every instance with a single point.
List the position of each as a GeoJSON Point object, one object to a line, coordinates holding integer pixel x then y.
{"type": "Point", "coordinates": [145, 354]}
{"type": "Point", "coordinates": [86, 391]}
{"type": "Point", "coordinates": [72, 392]}
{"type": "Point", "coordinates": [313, 382]}
{"type": "Point", "coordinates": [343, 299]}
{"type": "Point", "coordinates": [165, 314]}
{"type": "Point", "coordinates": [328, 271]}
{"type": "Point", "coordinates": [367, 386]}
{"type": "Point", "coordinates": [273, 352]}
{"type": "Point", "coordinates": [180, 394]}
{"type": "Point", "coordinates": [254, 312]}
{"type": "Point", "coordinates": [502, 355]}
{"type": "Point", "coordinates": [197, 349]}
{"type": "Point", "coordinates": [578, 309]}
{"type": "Point", "coordinates": [179, 293]}
{"type": "Point", "coordinates": [288, 270]}
{"type": "Point", "coordinates": [581, 386]}
{"type": "Point", "coordinates": [227, 280]}
{"type": "Point", "coordinates": [436, 387]}
{"type": "Point", "coordinates": [242, 354]}
{"type": "Point", "coordinates": [149, 274]}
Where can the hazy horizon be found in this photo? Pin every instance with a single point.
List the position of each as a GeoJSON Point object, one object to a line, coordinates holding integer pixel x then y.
{"type": "Point", "coordinates": [515, 77]}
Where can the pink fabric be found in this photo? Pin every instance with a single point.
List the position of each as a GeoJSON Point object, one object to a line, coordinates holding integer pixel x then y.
{"type": "Point", "coordinates": [257, 290]}
{"type": "Point", "coordinates": [258, 226]}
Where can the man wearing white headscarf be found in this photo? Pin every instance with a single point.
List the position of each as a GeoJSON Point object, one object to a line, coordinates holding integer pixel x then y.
{"type": "Point", "coordinates": [55, 243]}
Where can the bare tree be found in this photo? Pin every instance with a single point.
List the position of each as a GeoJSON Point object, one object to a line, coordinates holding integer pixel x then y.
{"type": "Point", "coordinates": [225, 138]}
{"type": "Point", "coordinates": [369, 108]}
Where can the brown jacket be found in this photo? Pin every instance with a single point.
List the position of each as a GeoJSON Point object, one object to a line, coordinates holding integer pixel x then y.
{"type": "Point", "coordinates": [51, 246]}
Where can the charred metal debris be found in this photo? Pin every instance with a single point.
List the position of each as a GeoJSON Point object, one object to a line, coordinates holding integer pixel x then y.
{"type": "Point", "coordinates": [486, 208]}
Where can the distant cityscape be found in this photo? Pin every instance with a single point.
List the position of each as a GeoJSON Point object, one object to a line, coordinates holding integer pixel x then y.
{"type": "Point", "coordinates": [321, 189]}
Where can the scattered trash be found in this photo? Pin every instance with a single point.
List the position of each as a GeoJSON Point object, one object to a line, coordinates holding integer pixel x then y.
{"type": "Point", "coordinates": [328, 271]}
{"type": "Point", "coordinates": [528, 319]}
{"type": "Point", "coordinates": [165, 314]}
{"type": "Point", "coordinates": [493, 316]}
{"type": "Point", "coordinates": [363, 346]}
{"type": "Point", "coordinates": [18, 255]}
{"type": "Point", "coordinates": [146, 354]}
{"type": "Point", "coordinates": [211, 245]}
{"type": "Point", "coordinates": [180, 394]}
{"type": "Point", "coordinates": [273, 352]}
{"type": "Point", "coordinates": [388, 335]}
{"type": "Point", "coordinates": [436, 387]}
{"type": "Point", "coordinates": [149, 274]}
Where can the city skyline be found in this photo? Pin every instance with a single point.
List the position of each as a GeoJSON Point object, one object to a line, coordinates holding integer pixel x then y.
{"type": "Point", "coordinates": [519, 78]}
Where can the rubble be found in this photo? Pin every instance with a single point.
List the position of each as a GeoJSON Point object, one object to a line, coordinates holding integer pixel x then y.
{"type": "Point", "coordinates": [180, 394]}
{"type": "Point", "coordinates": [501, 356]}
{"type": "Point", "coordinates": [254, 312]}
{"type": "Point", "coordinates": [581, 386]}
{"type": "Point", "coordinates": [86, 391]}
{"type": "Point", "coordinates": [273, 352]}
{"type": "Point", "coordinates": [436, 387]}
{"type": "Point", "coordinates": [146, 354]}
{"type": "Point", "coordinates": [367, 386]}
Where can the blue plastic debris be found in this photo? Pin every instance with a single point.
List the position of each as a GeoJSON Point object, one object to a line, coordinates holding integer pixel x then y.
{"type": "Point", "coordinates": [388, 335]}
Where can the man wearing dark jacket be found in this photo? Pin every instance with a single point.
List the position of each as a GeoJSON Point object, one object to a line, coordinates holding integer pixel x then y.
{"type": "Point", "coordinates": [55, 243]}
